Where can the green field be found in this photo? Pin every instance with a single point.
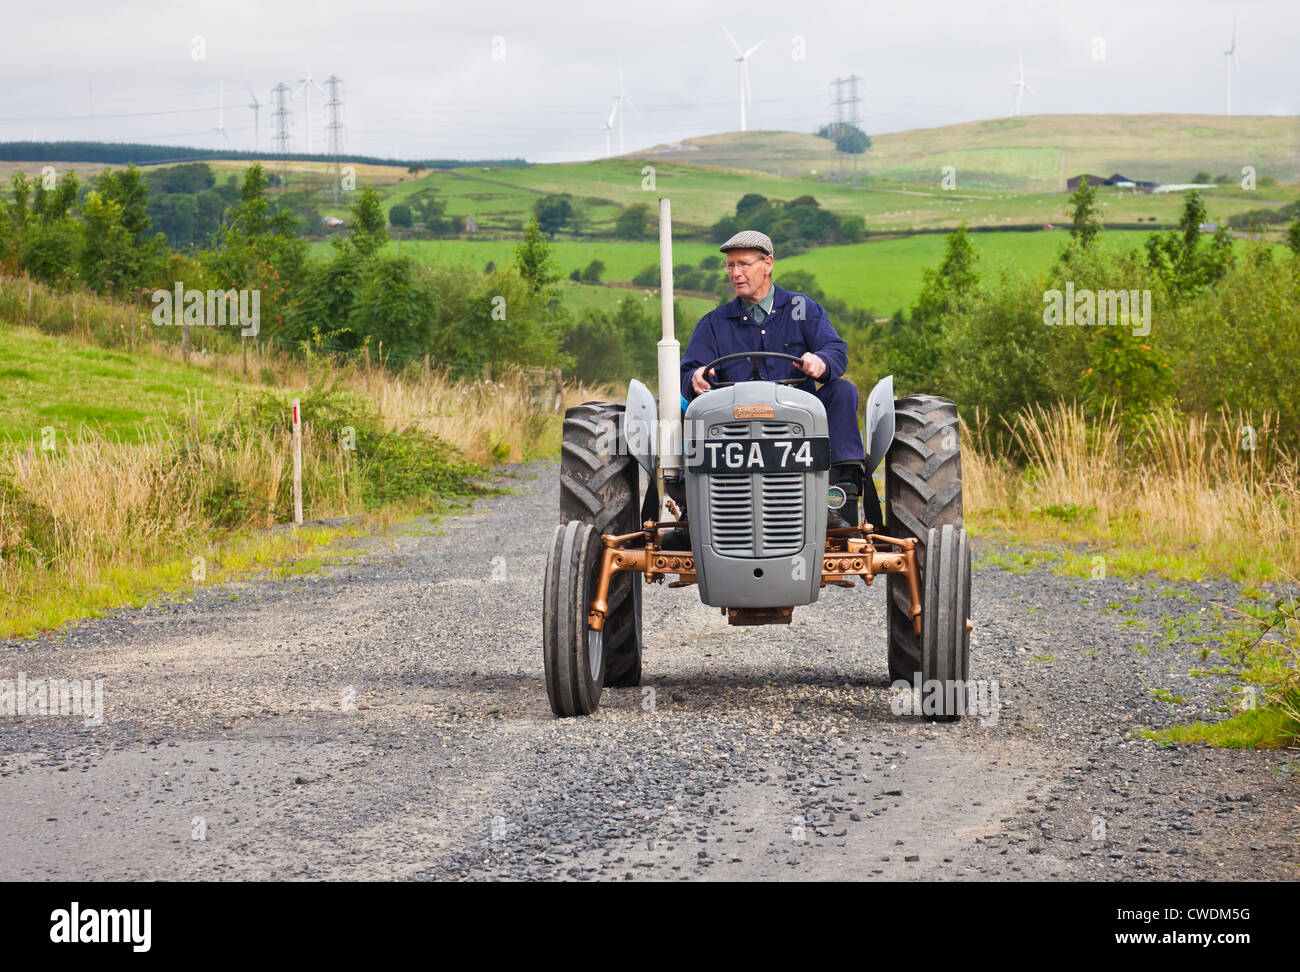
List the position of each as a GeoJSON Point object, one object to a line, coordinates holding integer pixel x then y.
{"type": "Point", "coordinates": [623, 260]}
{"type": "Point", "coordinates": [886, 276]}
{"type": "Point", "coordinates": [49, 381]}
{"type": "Point", "coordinates": [579, 297]}
{"type": "Point", "coordinates": [882, 275]}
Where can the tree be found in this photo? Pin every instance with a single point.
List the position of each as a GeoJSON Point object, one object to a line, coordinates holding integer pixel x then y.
{"type": "Point", "coordinates": [369, 232]}
{"type": "Point", "coordinates": [259, 248]}
{"type": "Point", "coordinates": [802, 282]}
{"type": "Point", "coordinates": [955, 279]}
{"type": "Point", "coordinates": [51, 251]}
{"type": "Point", "coordinates": [1085, 226]}
{"type": "Point", "coordinates": [553, 213]}
{"type": "Point", "coordinates": [847, 138]}
{"type": "Point", "coordinates": [1177, 256]}
{"type": "Point", "coordinates": [251, 216]}
{"type": "Point", "coordinates": [1201, 178]}
{"type": "Point", "coordinates": [594, 269]}
{"type": "Point", "coordinates": [52, 205]}
{"type": "Point", "coordinates": [144, 253]}
{"type": "Point", "coordinates": [750, 204]}
{"type": "Point", "coordinates": [128, 189]}
{"type": "Point", "coordinates": [107, 262]}
{"type": "Point", "coordinates": [533, 255]}
{"type": "Point", "coordinates": [1293, 237]}
{"type": "Point", "coordinates": [400, 215]}
{"type": "Point", "coordinates": [633, 222]}
{"type": "Point", "coordinates": [916, 355]}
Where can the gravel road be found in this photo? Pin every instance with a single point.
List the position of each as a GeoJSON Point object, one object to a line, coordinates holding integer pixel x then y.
{"type": "Point", "coordinates": [387, 720]}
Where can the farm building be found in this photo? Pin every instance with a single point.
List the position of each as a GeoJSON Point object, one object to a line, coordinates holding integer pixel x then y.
{"type": "Point", "coordinates": [1118, 180]}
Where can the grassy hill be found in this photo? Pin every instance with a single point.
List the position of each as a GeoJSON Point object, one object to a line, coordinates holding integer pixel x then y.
{"type": "Point", "coordinates": [1035, 152]}
{"type": "Point", "coordinates": [75, 388]}
{"type": "Point", "coordinates": [1009, 172]}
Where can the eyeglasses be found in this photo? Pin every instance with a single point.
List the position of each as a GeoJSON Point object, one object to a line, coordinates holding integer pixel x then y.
{"type": "Point", "coordinates": [741, 265]}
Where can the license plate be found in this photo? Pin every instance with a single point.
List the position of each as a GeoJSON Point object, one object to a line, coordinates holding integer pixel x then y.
{"type": "Point", "coordinates": [761, 455]}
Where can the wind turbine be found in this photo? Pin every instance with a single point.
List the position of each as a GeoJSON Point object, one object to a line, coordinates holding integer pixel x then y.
{"type": "Point", "coordinates": [1020, 84]}
{"type": "Point", "coordinates": [304, 82]}
{"type": "Point", "coordinates": [256, 106]}
{"type": "Point", "coordinates": [616, 111]}
{"type": "Point", "coordinates": [743, 58]}
{"type": "Point", "coordinates": [1231, 52]}
{"type": "Point", "coordinates": [221, 115]}
{"type": "Point", "coordinates": [609, 126]}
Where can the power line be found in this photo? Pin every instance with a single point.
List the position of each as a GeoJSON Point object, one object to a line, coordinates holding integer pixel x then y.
{"type": "Point", "coordinates": [98, 117]}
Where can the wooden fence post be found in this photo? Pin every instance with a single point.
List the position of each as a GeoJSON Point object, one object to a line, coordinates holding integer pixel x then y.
{"type": "Point", "coordinates": [297, 463]}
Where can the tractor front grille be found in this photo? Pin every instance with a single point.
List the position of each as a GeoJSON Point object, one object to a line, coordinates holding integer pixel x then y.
{"type": "Point", "coordinates": [782, 517]}
{"type": "Point", "coordinates": [731, 513]}
{"type": "Point", "coordinates": [757, 515]}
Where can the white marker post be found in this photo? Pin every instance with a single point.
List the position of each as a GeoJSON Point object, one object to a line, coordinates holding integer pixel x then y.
{"type": "Point", "coordinates": [670, 363]}
{"type": "Point", "coordinates": [297, 463]}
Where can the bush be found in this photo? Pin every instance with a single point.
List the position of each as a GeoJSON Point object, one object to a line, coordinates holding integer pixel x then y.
{"type": "Point", "coordinates": [400, 215]}
{"type": "Point", "coordinates": [633, 222]}
{"type": "Point", "coordinates": [390, 465]}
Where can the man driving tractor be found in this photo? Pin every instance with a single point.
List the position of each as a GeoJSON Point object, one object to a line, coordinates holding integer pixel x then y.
{"type": "Point", "coordinates": [764, 317]}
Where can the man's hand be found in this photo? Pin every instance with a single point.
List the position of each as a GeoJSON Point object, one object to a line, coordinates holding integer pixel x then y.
{"type": "Point", "coordinates": [699, 382]}
{"type": "Point", "coordinates": [811, 365]}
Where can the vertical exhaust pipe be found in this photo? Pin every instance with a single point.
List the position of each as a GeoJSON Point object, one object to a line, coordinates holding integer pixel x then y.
{"type": "Point", "coordinates": [670, 362]}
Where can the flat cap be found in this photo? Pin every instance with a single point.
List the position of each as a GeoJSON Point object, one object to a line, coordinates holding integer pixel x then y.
{"type": "Point", "coordinates": [749, 240]}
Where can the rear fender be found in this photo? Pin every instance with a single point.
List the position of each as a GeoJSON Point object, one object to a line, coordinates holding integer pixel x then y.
{"type": "Point", "coordinates": [879, 421]}
{"type": "Point", "coordinates": [640, 422]}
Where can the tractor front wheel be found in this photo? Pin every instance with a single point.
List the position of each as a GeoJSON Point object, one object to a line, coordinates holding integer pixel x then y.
{"type": "Point", "coordinates": [945, 626]}
{"type": "Point", "coordinates": [573, 654]}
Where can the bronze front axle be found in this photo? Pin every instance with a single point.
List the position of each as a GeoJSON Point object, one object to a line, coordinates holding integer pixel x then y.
{"type": "Point", "coordinates": [858, 557]}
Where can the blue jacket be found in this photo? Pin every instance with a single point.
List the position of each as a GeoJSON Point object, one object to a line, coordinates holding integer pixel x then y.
{"type": "Point", "coordinates": [797, 324]}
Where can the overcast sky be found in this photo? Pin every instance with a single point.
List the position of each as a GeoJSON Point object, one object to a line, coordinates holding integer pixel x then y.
{"type": "Point", "coordinates": [484, 79]}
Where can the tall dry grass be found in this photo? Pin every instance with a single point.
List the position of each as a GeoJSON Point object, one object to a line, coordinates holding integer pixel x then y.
{"type": "Point", "coordinates": [1181, 482]}
{"type": "Point", "coordinates": [67, 516]}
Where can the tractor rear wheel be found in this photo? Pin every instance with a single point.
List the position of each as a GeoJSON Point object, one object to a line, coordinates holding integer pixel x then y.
{"type": "Point", "coordinates": [922, 492]}
{"type": "Point", "coordinates": [573, 654]}
{"type": "Point", "coordinates": [600, 485]}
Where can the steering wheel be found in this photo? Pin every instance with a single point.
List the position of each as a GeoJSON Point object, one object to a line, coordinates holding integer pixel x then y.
{"type": "Point", "coordinates": [754, 356]}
